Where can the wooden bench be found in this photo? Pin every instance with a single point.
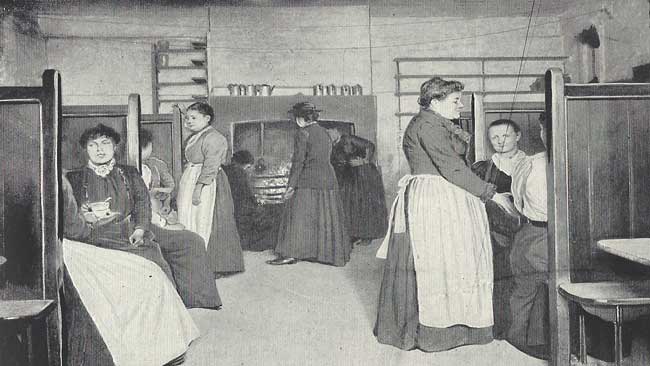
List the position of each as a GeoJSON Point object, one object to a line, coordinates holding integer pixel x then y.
{"type": "Point", "coordinates": [29, 319]}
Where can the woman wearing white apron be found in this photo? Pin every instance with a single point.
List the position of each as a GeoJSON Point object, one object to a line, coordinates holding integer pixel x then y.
{"type": "Point", "coordinates": [436, 291]}
{"type": "Point", "coordinates": [204, 199]}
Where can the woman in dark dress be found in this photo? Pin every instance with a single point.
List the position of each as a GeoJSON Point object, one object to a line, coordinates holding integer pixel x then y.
{"type": "Point", "coordinates": [436, 291]}
{"type": "Point", "coordinates": [257, 224]}
{"type": "Point", "coordinates": [362, 189]}
{"type": "Point", "coordinates": [120, 187]}
{"type": "Point", "coordinates": [181, 254]}
{"type": "Point", "coordinates": [313, 224]}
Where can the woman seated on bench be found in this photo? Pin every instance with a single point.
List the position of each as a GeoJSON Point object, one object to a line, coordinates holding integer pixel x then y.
{"type": "Point", "coordinates": [118, 308]}
{"type": "Point", "coordinates": [116, 195]}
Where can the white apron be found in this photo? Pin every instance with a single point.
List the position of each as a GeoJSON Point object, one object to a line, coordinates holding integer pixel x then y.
{"type": "Point", "coordinates": [196, 218]}
{"type": "Point", "coordinates": [452, 252]}
{"type": "Point", "coordinates": [135, 307]}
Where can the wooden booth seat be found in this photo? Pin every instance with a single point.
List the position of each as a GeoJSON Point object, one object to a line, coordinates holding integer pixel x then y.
{"type": "Point", "coordinates": [30, 278]}
{"type": "Point", "coordinates": [598, 172]}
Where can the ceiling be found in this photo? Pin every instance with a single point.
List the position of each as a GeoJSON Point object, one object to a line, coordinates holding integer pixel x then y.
{"type": "Point", "coordinates": [440, 8]}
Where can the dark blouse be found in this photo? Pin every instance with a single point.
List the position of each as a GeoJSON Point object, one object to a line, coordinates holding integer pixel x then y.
{"type": "Point", "coordinates": [310, 163]}
{"type": "Point", "coordinates": [350, 147]}
{"type": "Point", "coordinates": [488, 171]}
{"type": "Point", "coordinates": [128, 194]}
{"type": "Point", "coordinates": [74, 225]}
{"type": "Point", "coordinates": [435, 145]}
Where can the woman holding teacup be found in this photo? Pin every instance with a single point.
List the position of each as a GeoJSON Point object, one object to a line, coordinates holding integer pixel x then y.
{"type": "Point", "coordinates": [113, 199]}
{"type": "Point", "coordinates": [115, 204]}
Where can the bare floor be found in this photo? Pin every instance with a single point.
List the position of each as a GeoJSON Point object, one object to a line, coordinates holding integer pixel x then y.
{"type": "Point", "coordinates": [314, 314]}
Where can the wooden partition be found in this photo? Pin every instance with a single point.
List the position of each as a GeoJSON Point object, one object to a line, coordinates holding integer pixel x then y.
{"type": "Point", "coordinates": [525, 114]}
{"type": "Point", "coordinates": [125, 119]}
{"type": "Point", "coordinates": [30, 230]}
{"type": "Point", "coordinates": [166, 132]}
{"type": "Point", "coordinates": [599, 172]}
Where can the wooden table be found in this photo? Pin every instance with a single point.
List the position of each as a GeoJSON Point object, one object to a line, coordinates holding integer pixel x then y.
{"type": "Point", "coordinates": [636, 250]}
{"type": "Point", "coordinates": [27, 317]}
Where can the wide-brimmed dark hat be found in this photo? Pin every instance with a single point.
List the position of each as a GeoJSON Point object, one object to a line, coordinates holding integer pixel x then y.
{"type": "Point", "coordinates": [303, 107]}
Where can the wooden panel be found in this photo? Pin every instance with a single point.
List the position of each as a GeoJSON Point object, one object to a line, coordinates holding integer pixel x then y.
{"type": "Point", "coordinates": [30, 226]}
{"type": "Point", "coordinates": [600, 174]}
{"type": "Point", "coordinates": [578, 190]}
{"type": "Point", "coordinates": [165, 146]}
{"type": "Point", "coordinates": [607, 91]}
{"type": "Point", "coordinates": [558, 218]}
{"type": "Point", "coordinates": [638, 112]}
{"type": "Point", "coordinates": [21, 176]}
{"type": "Point", "coordinates": [609, 173]}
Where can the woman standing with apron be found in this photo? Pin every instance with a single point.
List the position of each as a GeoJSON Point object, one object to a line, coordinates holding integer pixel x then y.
{"type": "Point", "coordinates": [436, 292]}
{"type": "Point", "coordinates": [204, 199]}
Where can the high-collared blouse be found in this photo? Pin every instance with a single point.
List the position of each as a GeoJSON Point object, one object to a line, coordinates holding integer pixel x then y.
{"type": "Point", "coordinates": [210, 148]}
{"type": "Point", "coordinates": [435, 145]}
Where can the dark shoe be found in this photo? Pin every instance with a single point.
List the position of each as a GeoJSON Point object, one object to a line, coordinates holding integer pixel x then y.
{"type": "Point", "coordinates": [539, 352]}
{"type": "Point", "coordinates": [364, 242]}
{"type": "Point", "coordinates": [177, 361]}
{"type": "Point", "coordinates": [280, 261]}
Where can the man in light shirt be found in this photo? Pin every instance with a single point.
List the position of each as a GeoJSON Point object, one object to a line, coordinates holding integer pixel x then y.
{"type": "Point", "coordinates": [504, 135]}
{"type": "Point", "coordinates": [529, 255]}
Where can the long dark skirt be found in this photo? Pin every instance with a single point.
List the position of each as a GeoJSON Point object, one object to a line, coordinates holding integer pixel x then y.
{"type": "Point", "coordinates": [116, 236]}
{"type": "Point", "coordinates": [364, 201]}
{"type": "Point", "coordinates": [258, 226]}
{"type": "Point", "coordinates": [224, 250]}
{"type": "Point", "coordinates": [313, 228]}
{"type": "Point", "coordinates": [185, 252]}
{"type": "Point", "coordinates": [397, 313]}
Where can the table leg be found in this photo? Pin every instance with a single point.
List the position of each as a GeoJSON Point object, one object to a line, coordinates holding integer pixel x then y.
{"type": "Point", "coordinates": [582, 337]}
{"type": "Point", "coordinates": [27, 344]}
{"type": "Point", "coordinates": [618, 335]}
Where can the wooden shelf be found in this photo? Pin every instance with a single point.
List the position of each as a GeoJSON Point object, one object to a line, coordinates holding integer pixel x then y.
{"type": "Point", "coordinates": [465, 76]}
{"type": "Point", "coordinates": [494, 92]}
{"type": "Point", "coordinates": [182, 50]}
{"type": "Point", "coordinates": [199, 45]}
{"type": "Point", "coordinates": [177, 100]}
{"type": "Point", "coordinates": [181, 68]}
{"type": "Point", "coordinates": [180, 83]}
{"type": "Point", "coordinates": [487, 59]}
{"type": "Point", "coordinates": [190, 62]}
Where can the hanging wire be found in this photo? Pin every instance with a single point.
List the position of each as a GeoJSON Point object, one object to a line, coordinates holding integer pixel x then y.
{"type": "Point", "coordinates": [521, 63]}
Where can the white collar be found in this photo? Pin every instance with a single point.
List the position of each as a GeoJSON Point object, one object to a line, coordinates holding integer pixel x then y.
{"type": "Point", "coordinates": [102, 170]}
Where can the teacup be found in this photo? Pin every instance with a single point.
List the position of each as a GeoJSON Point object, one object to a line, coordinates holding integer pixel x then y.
{"type": "Point", "coordinates": [100, 209]}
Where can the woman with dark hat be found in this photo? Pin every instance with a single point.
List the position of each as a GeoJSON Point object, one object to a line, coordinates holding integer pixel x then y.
{"type": "Point", "coordinates": [313, 225]}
